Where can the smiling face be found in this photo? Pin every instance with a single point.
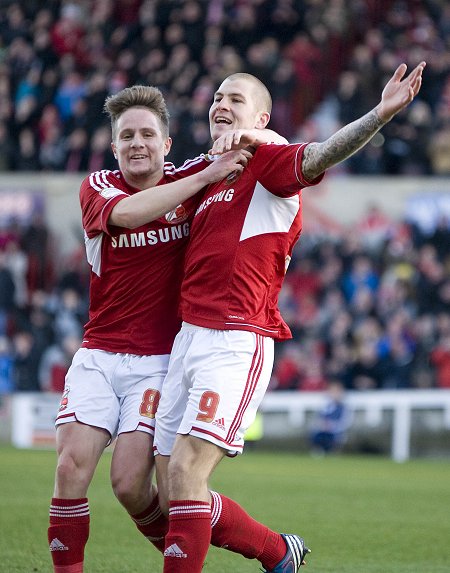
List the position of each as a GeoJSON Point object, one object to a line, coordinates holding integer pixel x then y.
{"type": "Point", "coordinates": [140, 146]}
{"type": "Point", "coordinates": [238, 104]}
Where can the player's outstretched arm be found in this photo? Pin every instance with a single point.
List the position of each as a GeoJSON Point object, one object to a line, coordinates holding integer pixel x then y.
{"type": "Point", "coordinates": [154, 202]}
{"type": "Point", "coordinates": [397, 94]}
{"type": "Point", "coordinates": [245, 138]}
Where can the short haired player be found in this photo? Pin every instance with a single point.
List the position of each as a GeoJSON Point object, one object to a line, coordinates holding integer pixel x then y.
{"type": "Point", "coordinates": [136, 222]}
{"type": "Point", "coordinates": [242, 238]}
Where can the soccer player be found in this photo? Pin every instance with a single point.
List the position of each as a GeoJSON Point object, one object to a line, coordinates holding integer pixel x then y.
{"type": "Point", "coordinates": [136, 222]}
{"type": "Point", "coordinates": [242, 238]}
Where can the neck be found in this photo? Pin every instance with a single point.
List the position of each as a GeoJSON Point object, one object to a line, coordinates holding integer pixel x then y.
{"type": "Point", "coordinates": [144, 181]}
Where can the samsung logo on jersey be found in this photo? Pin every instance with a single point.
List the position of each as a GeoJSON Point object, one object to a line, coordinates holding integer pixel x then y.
{"type": "Point", "coordinates": [226, 195]}
{"type": "Point", "coordinates": [152, 237]}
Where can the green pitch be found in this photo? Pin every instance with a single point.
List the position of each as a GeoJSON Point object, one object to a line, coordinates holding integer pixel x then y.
{"type": "Point", "coordinates": [359, 515]}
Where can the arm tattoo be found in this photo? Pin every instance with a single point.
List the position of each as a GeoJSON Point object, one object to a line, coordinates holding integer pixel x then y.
{"type": "Point", "coordinates": [318, 157]}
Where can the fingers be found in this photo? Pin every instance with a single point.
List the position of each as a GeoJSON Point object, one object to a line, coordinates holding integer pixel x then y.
{"type": "Point", "coordinates": [399, 72]}
{"type": "Point", "coordinates": [224, 143]}
{"type": "Point", "coordinates": [415, 78]}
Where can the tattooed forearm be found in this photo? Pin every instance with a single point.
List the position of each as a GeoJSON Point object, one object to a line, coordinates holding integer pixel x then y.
{"type": "Point", "coordinates": [320, 156]}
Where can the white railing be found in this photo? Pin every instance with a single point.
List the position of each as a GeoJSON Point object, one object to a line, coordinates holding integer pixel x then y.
{"type": "Point", "coordinates": [32, 414]}
{"type": "Point", "coordinates": [401, 403]}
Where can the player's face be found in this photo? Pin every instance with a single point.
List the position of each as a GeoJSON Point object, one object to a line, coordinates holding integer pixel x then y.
{"type": "Point", "coordinates": [235, 106]}
{"type": "Point", "coordinates": [140, 145]}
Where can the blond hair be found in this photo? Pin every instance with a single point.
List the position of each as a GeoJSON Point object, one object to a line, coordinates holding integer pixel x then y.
{"type": "Point", "coordinates": [147, 97]}
{"type": "Point", "coordinates": [264, 99]}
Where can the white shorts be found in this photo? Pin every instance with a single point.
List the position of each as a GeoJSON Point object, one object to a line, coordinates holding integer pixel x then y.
{"type": "Point", "coordinates": [214, 386]}
{"type": "Point", "coordinates": [117, 392]}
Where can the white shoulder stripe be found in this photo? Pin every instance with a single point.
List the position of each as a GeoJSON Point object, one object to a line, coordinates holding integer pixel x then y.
{"type": "Point", "coordinates": [170, 169]}
{"type": "Point", "coordinates": [98, 180]}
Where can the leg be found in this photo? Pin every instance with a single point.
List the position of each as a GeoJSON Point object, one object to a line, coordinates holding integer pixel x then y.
{"type": "Point", "coordinates": [215, 383]}
{"type": "Point", "coordinates": [191, 464]}
{"type": "Point", "coordinates": [131, 477]}
{"type": "Point", "coordinates": [235, 530]}
{"type": "Point", "coordinates": [162, 478]}
{"type": "Point", "coordinates": [79, 448]}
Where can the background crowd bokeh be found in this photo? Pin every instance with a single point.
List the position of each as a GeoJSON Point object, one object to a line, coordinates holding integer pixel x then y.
{"type": "Point", "coordinates": [370, 308]}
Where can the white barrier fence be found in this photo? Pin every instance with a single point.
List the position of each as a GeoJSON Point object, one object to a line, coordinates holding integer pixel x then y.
{"type": "Point", "coordinates": [400, 403]}
{"type": "Point", "coordinates": [33, 414]}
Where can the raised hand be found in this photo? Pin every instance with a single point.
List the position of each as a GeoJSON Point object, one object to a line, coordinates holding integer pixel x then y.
{"type": "Point", "coordinates": [400, 91]}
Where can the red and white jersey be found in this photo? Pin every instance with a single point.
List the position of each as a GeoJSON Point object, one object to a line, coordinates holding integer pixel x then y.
{"type": "Point", "coordinates": [136, 273]}
{"type": "Point", "coordinates": [241, 243]}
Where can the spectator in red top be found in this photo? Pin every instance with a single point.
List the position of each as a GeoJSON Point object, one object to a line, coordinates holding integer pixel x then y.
{"type": "Point", "coordinates": [440, 359]}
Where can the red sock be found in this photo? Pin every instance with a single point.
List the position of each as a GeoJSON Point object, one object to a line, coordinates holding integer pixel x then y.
{"type": "Point", "coordinates": [153, 524]}
{"type": "Point", "coordinates": [189, 535]}
{"type": "Point", "coordinates": [68, 534]}
{"type": "Point", "coordinates": [235, 530]}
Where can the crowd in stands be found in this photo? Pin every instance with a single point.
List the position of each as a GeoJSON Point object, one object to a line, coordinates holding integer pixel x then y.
{"type": "Point", "coordinates": [325, 63]}
{"type": "Point", "coordinates": [370, 309]}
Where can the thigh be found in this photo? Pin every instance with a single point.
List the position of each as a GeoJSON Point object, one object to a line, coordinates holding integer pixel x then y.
{"type": "Point", "coordinates": [88, 395]}
{"type": "Point", "coordinates": [229, 372]}
{"type": "Point", "coordinates": [79, 448]}
{"type": "Point", "coordinates": [132, 459]}
{"type": "Point", "coordinates": [192, 462]}
{"type": "Point", "coordinates": [139, 384]}
{"type": "Point", "coordinates": [162, 481]}
{"type": "Point", "coordinates": [174, 396]}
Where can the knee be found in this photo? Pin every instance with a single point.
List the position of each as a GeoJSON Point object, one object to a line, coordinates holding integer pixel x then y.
{"type": "Point", "coordinates": [132, 491]}
{"type": "Point", "coordinates": [70, 476]}
{"type": "Point", "coordinates": [124, 489]}
{"type": "Point", "coordinates": [178, 469]}
{"type": "Point", "coordinates": [183, 481]}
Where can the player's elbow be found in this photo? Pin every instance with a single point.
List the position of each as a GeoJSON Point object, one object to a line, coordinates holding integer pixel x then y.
{"type": "Point", "coordinates": [123, 216]}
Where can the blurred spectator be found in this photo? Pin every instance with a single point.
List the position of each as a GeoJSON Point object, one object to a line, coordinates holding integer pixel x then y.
{"type": "Point", "coordinates": [26, 158]}
{"type": "Point", "coordinates": [36, 243]}
{"type": "Point", "coordinates": [77, 151]}
{"type": "Point", "coordinates": [55, 362]}
{"type": "Point", "coordinates": [6, 366]}
{"type": "Point", "coordinates": [288, 368]}
{"type": "Point", "coordinates": [330, 426]}
{"type": "Point", "coordinates": [6, 148]}
{"type": "Point", "coordinates": [101, 156]}
{"type": "Point", "coordinates": [26, 360]}
{"type": "Point", "coordinates": [440, 359]}
{"type": "Point", "coordinates": [361, 274]}
{"type": "Point", "coordinates": [17, 262]}
{"type": "Point", "coordinates": [7, 293]}
{"type": "Point", "coordinates": [69, 314]}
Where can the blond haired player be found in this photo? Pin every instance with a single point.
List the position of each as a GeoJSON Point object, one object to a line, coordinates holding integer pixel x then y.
{"type": "Point", "coordinates": [136, 222]}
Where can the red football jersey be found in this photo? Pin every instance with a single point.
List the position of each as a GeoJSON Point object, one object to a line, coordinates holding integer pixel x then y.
{"type": "Point", "coordinates": [242, 238]}
{"type": "Point", "coordinates": [135, 273]}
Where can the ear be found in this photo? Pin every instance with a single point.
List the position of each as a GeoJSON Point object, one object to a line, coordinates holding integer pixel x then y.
{"type": "Point", "coordinates": [262, 120]}
{"type": "Point", "coordinates": [167, 146]}
{"type": "Point", "coordinates": [113, 147]}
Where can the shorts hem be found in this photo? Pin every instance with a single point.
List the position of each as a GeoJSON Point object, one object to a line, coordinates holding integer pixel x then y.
{"type": "Point", "coordinates": [231, 450]}
{"type": "Point", "coordinates": [72, 417]}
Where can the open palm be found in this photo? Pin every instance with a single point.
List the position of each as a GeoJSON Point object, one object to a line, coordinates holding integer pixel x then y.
{"type": "Point", "coordinates": [400, 91]}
